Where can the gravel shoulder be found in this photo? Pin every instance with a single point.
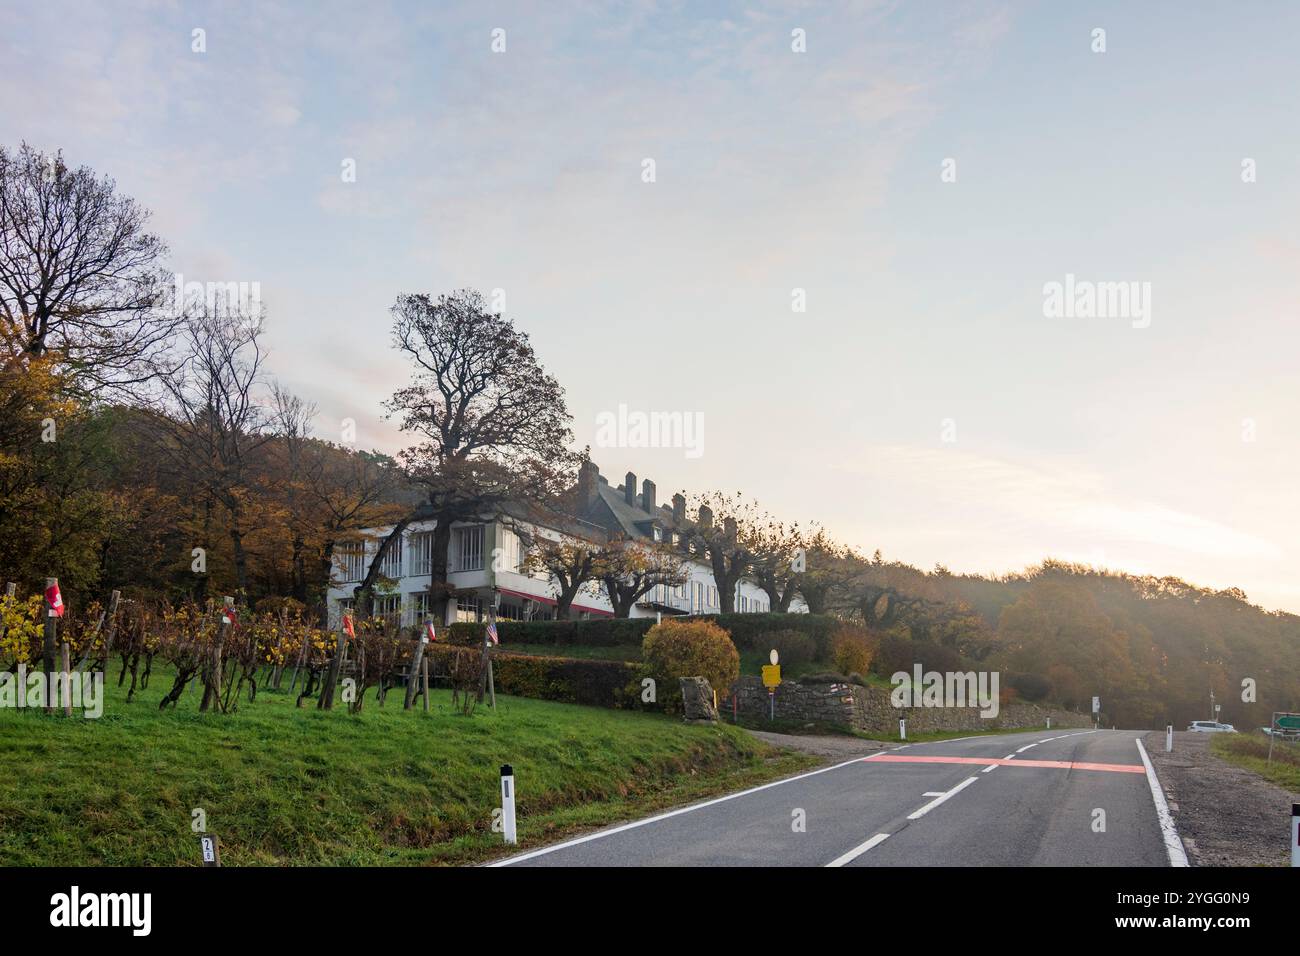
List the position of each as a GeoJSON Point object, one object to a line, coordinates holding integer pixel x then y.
{"type": "Point", "coordinates": [1226, 815]}
{"type": "Point", "coordinates": [827, 747]}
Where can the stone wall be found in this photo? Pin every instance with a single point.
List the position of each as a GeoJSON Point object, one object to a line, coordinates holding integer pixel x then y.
{"type": "Point", "coordinates": [868, 709]}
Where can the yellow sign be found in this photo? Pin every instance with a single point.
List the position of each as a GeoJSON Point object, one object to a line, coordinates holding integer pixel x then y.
{"type": "Point", "coordinates": [771, 675]}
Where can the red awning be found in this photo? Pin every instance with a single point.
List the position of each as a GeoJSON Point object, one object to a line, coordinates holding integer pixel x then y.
{"type": "Point", "coordinates": [552, 602]}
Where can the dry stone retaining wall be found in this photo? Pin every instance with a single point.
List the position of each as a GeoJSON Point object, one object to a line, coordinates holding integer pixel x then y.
{"type": "Point", "coordinates": [868, 709]}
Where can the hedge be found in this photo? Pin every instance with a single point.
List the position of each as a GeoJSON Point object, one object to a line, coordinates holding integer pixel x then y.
{"type": "Point", "coordinates": [565, 679]}
{"type": "Point", "coordinates": [746, 630]}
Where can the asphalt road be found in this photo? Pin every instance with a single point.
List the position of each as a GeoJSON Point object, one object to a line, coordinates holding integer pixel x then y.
{"type": "Point", "coordinates": [1026, 799]}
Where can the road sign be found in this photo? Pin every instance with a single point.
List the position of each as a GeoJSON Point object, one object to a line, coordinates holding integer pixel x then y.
{"type": "Point", "coordinates": [1287, 721]}
{"type": "Point", "coordinates": [1096, 705]}
{"type": "Point", "coordinates": [771, 676]}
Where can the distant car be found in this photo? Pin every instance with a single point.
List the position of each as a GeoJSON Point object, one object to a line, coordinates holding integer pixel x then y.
{"type": "Point", "coordinates": [1282, 733]}
{"type": "Point", "coordinates": [1211, 727]}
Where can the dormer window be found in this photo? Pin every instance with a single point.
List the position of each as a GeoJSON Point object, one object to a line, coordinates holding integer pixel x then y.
{"type": "Point", "coordinates": [659, 534]}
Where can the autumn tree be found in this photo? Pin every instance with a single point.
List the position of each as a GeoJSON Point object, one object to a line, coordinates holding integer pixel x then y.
{"type": "Point", "coordinates": [632, 569]}
{"type": "Point", "coordinates": [572, 564]}
{"type": "Point", "coordinates": [214, 422]}
{"type": "Point", "coordinates": [493, 425]}
{"type": "Point", "coordinates": [80, 274]}
{"type": "Point", "coordinates": [724, 535]}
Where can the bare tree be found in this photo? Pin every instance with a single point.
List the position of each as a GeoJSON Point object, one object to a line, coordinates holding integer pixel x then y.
{"type": "Point", "coordinates": [213, 422]}
{"type": "Point", "coordinates": [79, 272]}
{"type": "Point", "coordinates": [494, 423]}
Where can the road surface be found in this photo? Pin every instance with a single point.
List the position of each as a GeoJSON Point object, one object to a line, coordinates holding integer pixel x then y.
{"type": "Point", "coordinates": [1029, 799]}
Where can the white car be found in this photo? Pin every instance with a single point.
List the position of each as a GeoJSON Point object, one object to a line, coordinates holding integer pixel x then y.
{"type": "Point", "coordinates": [1211, 727]}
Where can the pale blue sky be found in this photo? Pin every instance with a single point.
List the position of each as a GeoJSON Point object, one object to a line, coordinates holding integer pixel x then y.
{"type": "Point", "coordinates": [1079, 438]}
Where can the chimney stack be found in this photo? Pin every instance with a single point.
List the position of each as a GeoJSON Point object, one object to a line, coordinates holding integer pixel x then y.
{"type": "Point", "coordinates": [679, 509]}
{"type": "Point", "coordinates": [706, 517]}
{"type": "Point", "coordinates": [629, 489]}
{"type": "Point", "coordinates": [729, 525]}
{"type": "Point", "coordinates": [648, 495]}
{"type": "Point", "coordinates": [588, 484]}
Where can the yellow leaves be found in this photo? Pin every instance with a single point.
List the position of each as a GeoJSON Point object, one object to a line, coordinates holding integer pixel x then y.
{"type": "Point", "coordinates": [23, 626]}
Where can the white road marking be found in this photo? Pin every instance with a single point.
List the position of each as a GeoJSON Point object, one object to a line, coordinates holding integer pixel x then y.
{"type": "Point", "coordinates": [857, 851]}
{"type": "Point", "coordinates": [938, 800]}
{"type": "Point", "coordinates": [991, 767]}
{"type": "Point", "coordinates": [1173, 845]}
{"type": "Point", "coordinates": [1010, 756]}
{"type": "Point", "coordinates": [935, 793]}
{"type": "Point", "coordinates": [673, 813]}
{"type": "Point", "coordinates": [1025, 747]}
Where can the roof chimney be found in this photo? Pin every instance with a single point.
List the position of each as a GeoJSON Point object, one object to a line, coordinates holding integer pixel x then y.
{"type": "Point", "coordinates": [588, 484]}
{"type": "Point", "coordinates": [648, 495]}
{"type": "Point", "coordinates": [729, 524]}
{"type": "Point", "coordinates": [629, 489]}
{"type": "Point", "coordinates": [679, 509]}
{"type": "Point", "coordinates": [706, 517]}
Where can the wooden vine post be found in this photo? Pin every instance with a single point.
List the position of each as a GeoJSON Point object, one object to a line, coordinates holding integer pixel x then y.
{"type": "Point", "coordinates": [326, 699]}
{"type": "Point", "coordinates": [413, 673]}
{"type": "Point", "coordinates": [51, 638]}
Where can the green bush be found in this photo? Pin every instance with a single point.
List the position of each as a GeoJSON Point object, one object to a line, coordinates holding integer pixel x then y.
{"type": "Point", "coordinates": [688, 648]}
{"type": "Point", "coordinates": [792, 647]}
{"type": "Point", "coordinates": [851, 652]}
{"type": "Point", "coordinates": [565, 679]}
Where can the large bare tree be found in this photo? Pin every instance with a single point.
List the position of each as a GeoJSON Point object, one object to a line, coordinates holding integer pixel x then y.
{"type": "Point", "coordinates": [494, 424]}
{"type": "Point", "coordinates": [214, 422]}
{"type": "Point", "coordinates": [80, 273]}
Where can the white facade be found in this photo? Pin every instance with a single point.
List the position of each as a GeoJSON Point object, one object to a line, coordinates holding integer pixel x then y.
{"type": "Point", "coordinates": [485, 558]}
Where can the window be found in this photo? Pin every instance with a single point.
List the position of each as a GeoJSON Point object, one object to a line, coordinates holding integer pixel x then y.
{"type": "Point", "coordinates": [350, 559]}
{"type": "Point", "coordinates": [388, 605]}
{"type": "Point", "coordinates": [391, 566]}
{"type": "Point", "coordinates": [659, 535]}
{"type": "Point", "coordinates": [467, 548]}
{"type": "Point", "coordinates": [420, 559]}
{"type": "Point", "coordinates": [418, 607]}
{"type": "Point", "coordinates": [467, 609]}
{"type": "Point", "coordinates": [512, 551]}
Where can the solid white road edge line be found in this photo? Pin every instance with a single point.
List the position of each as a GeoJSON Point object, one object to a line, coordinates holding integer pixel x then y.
{"type": "Point", "coordinates": [1173, 843]}
{"type": "Point", "coordinates": [935, 793]}
{"type": "Point", "coordinates": [678, 812]}
{"type": "Point", "coordinates": [857, 851]}
{"type": "Point", "coordinates": [938, 800]}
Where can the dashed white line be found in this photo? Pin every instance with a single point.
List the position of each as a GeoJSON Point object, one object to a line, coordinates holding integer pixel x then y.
{"type": "Point", "coordinates": [938, 800]}
{"type": "Point", "coordinates": [1025, 747]}
{"type": "Point", "coordinates": [934, 793]}
{"type": "Point", "coordinates": [857, 851]}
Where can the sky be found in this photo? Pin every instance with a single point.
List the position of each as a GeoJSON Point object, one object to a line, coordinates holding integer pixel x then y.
{"type": "Point", "coordinates": [838, 269]}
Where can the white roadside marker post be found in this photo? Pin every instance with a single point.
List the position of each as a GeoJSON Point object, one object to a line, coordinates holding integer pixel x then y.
{"type": "Point", "coordinates": [1295, 834]}
{"type": "Point", "coordinates": [508, 803]}
{"type": "Point", "coordinates": [1049, 723]}
{"type": "Point", "coordinates": [902, 728]}
{"type": "Point", "coordinates": [1169, 738]}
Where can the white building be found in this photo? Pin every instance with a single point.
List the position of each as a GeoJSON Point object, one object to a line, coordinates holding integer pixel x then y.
{"type": "Point", "coordinates": [485, 559]}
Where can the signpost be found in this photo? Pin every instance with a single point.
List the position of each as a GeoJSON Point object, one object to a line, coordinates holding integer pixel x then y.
{"type": "Point", "coordinates": [209, 850]}
{"type": "Point", "coordinates": [508, 803]}
{"type": "Point", "coordinates": [1096, 711]}
{"type": "Point", "coordinates": [1283, 723]}
{"type": "Point", "coordinates": [772, 680]}
{"type": "Point", "coordinates": [1295, 834]}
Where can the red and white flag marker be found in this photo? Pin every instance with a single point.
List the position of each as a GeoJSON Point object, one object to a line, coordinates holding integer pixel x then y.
{"type": "Point", "coordinates": [54, 600]}
{"type": "Point", "coordinates": [430, 634]}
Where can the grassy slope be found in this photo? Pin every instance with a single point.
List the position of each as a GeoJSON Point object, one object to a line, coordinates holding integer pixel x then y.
{"type": "Point", "coordinates": [1251, 752]}
{"type": "Point", "coordinates": [287, 786]}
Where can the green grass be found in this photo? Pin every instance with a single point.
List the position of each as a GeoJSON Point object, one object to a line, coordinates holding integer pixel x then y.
{"type": "Point", "coordinates": [1250, 751]}
{"type": "Point", "coordinates": [281, 785]}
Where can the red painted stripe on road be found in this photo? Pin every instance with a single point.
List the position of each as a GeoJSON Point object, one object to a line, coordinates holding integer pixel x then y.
{"type": "Point", "coordinates": [986, 761]}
